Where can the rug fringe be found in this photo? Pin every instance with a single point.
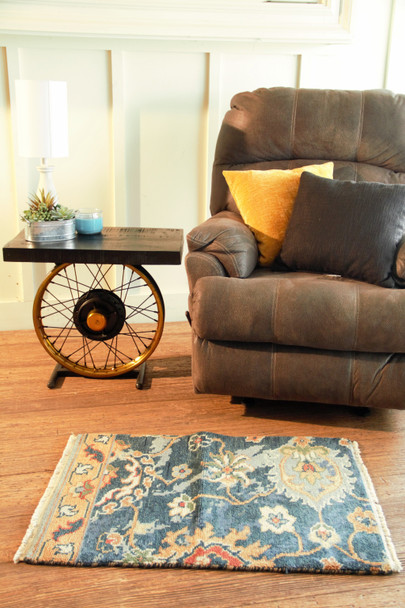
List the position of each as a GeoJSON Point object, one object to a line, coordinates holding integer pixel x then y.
{"type": "Point", "coordinates": [43, 503]}
{"type": "Point", "coordinates": [380, 517]}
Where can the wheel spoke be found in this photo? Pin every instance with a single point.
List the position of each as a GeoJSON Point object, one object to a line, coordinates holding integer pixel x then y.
{"type": "Point", "coordinates": [72, 283]}
{"type": "Point", "coordinates": [65, 308]}
{"type": "Point", "coordinates": [60, 335]}
{"type": "Point", "coordinates": [87, 350]}
{"type": "Point", "coordinates": [115, 351]}
{"type": "Point", "coordinates": [137, 336]}
{"type": "Point", "coordinates": [130, 284]}
{"type": "Point", "coordinates": [99, 276]}
{"type": "Point", "coordinates": [144, 310]}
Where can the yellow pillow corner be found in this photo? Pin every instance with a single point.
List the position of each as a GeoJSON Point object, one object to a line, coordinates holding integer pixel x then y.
{"type": "Point", "coordinates": [266, 199]}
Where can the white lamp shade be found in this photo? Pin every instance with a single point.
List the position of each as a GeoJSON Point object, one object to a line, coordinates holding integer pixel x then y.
{"type": "Point", "coordinates": [42, 121]}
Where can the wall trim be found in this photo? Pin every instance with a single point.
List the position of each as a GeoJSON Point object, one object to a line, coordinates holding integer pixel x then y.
{"type": "Point", "coordinates": [327, 21]}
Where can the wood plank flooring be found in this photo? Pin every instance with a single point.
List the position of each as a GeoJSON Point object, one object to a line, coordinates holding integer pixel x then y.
{"type": "Point", "coordinates": [36, 423]}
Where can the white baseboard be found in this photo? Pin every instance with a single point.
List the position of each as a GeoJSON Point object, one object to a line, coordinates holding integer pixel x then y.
{"type": "Point", "coordinates": [16, 315]}
{"type": "Point", "coordinates": [176, 305]}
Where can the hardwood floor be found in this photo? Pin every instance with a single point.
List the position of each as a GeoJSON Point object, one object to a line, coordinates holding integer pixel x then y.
{"type": "Point", "coordinates": [36, 423]}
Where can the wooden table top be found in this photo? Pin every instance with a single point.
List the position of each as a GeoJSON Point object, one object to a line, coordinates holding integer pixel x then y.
{"type": "Point", "coordinates": [135, 246]}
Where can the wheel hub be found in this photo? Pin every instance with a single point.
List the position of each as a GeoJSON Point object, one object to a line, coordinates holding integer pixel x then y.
{"type": "Point", "coordinates": [99, 314]}
{"type": "Point", "coordinates": [96, 321]}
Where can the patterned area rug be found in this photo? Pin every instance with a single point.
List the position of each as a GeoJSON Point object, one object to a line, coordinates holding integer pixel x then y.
{"type": "Point", "coordinates": [282, 504]}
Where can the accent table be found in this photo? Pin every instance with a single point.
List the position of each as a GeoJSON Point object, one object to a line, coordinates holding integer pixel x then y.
{"type": "Point", "coordinates": [99, 313]}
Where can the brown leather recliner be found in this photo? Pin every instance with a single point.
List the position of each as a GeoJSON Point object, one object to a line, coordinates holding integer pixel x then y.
{"type": "Point", "coordinates": [281, 333]}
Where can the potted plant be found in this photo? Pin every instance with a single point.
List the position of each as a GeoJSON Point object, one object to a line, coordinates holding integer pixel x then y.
{"type": "Point", "coordinates": [47, 220]}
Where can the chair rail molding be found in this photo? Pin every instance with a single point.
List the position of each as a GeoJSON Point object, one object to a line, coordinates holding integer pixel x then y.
{"type": "Point", "coordinates": [312, 21]}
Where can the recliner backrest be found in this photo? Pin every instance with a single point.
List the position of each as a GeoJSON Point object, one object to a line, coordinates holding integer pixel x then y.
{"type": "Point", "coordinates": [362, 132]}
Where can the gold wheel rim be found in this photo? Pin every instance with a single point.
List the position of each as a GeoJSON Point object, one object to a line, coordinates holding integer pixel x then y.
{"type": "Point", "coordinates": [96, 320]}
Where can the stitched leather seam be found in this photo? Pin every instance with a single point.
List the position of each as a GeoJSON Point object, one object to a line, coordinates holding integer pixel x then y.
{"type": "Point", "coordinates": [357, 316]}
{"type": "Point", "coordinates": [361, 124]}
{"type": "Point", "coordinates": [293, 120]}
{"type": "Point", "coordinates": [273, 316]}
{"type": "Point", "coordinates": [352, 353]}
{"type": "Point", "coordinates": [231, 255]}
{"type": "Point", "coordinates": [352, 360]}
{"type": "Point", "coordinates": [216, 265]}
{"type": "Point", "coordinates": [198, 242]}
{"type": "Point", "coordinates": [274, 353]}
{"type": "Point", "coordinates": [273, 371]}
{"type": "Point", "coordinates": [224, 248]}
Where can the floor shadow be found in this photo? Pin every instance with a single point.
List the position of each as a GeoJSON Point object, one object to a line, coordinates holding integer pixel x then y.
{"type": "Point", "coordinates": [321, 414]}
{"type": "Point", "coordinates": [169, 367]}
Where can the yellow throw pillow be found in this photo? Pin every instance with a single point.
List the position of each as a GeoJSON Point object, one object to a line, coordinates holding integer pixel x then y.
{"type": "Point", "coordinates": [266, 199]}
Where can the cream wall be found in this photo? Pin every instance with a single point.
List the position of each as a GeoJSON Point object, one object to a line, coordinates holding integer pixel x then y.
{"type": "Point", "coordinates": [144, 113]}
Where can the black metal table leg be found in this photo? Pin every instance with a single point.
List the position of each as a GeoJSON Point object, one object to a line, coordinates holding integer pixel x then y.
{"type": "Point", "coordinates": [60, 372]}
{"type": "Point", "coordinates": [140, 374]}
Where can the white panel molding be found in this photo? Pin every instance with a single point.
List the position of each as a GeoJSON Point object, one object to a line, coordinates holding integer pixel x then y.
{"type": "Point", "coordinates": [214, 120]}
{"type": "Point", "coordinates": [118, 135]}
{"type": "Point", "coordinates": [27, 276]}
{"type": "Point", "coordinates": [394, 74]}
{"type": "Point", "coordinates": [327, 21]}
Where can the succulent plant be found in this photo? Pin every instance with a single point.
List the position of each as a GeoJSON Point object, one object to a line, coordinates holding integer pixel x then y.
{"type": "Point", "coordinates": [60, 212]}
{"type": "Point", "coordinates": [45, 208]}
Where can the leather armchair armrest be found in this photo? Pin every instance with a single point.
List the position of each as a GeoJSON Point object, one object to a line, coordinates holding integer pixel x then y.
{"type": "Point", "coordinates": [199, 264]}
{"type": "Point", "coordinates": [226, 237]}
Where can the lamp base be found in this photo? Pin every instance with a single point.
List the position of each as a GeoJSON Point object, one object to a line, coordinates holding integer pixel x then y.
{"type": "Point", "coordinates": [45, 183]}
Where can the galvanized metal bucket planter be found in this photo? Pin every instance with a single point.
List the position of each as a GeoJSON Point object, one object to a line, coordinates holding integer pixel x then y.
{"type": "Point", "coordinates": [58, 230]}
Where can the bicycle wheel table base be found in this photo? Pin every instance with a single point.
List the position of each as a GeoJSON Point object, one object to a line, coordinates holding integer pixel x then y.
{"type": "Point", "coordinates": [99, 320]}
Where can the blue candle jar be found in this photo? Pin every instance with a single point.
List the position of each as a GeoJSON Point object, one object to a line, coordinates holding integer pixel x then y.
{"type": "Point", "coordinates": [89, 221]}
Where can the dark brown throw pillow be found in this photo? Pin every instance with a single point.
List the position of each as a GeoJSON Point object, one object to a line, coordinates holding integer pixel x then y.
{"type": "Point", "coordinates": [347, 228]}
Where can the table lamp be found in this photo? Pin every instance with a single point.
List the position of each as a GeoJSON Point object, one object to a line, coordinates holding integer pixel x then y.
{"type": "Point", "coordinates": [42, 125]}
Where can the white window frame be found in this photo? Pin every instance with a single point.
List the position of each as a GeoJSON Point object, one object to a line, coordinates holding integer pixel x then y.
{"type": "Point", "coordinates": [326, 21]}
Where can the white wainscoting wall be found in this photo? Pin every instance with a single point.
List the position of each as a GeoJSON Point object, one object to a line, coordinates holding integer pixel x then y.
{"type": "Point", "coordinates": [144, 113]}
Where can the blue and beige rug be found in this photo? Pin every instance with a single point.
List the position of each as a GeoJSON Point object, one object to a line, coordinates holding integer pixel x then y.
{"type": "Point", "coordinates": [283, 504]}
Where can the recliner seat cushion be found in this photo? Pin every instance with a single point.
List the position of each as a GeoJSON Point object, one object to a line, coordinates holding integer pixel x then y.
{"type": "Point", "coordinates": [300, 309]}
